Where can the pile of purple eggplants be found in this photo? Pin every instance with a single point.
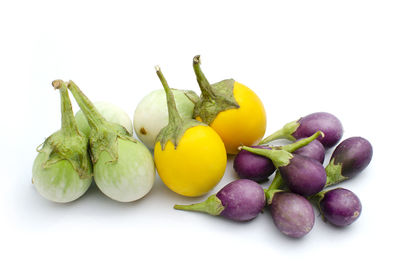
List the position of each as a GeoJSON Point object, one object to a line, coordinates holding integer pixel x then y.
{"type": "Point", "coordinates": [300, 177]}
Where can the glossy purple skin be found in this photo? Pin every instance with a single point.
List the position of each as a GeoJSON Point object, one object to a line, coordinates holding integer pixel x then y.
{"type": "Point", "coordinates": [303, 175]}
{"type": "Point", "coordinates": [314, 150]}
{"type": "Point", "coordinates": [252, 166]}
{"type": "Point", "coordinates": [242, 199]}
{"type": "Point", "coordinates": [293, 214]}
{"type": "Point", "coordinates": [354, 154]}
{"type": "Point", "coordinates": [340, 207]}
{"type": "Point", "coordinates": [329, 124]}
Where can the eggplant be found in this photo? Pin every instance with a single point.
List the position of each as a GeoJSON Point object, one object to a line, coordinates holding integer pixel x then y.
{"type": "Point", "coordinates": [340, 207]}
{"type": "Point", "coordinates": [258, 168]}
{"type": "Point", "coordinates": [329, 124]}
{"type": "Point", "coordinates": [303, 175]}
{"type": "Point", "coordinates": [292, 214]}
{"type": "Point", "coordinates": [348, 159]}
{"type": "Point", "coordinates": [240, 200]}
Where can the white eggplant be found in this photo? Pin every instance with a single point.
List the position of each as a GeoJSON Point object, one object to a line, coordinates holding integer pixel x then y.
{"type": "Point", "coordinates": [151, 114]}
{"type": "Point", "coordinates": [123, 167]}
{"type": "Point", "coordinates": [62, 171]}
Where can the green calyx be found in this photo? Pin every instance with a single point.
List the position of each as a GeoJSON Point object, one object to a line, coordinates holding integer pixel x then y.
{"type": "Point", "coordinates": [279, 157]}
{"type": "Point", "coordinates": [284, 133]}
{"type": "Point", "coordinates": [334, 173]}
{"type": "Point", "coordinates": [176, 127]}
{"type": "Point", "coordinates": [67, 143]}
{"type": "Point", "coordinates": [214, 98]}
{"type": "Point", "coordinates": [316, 199]}
{"type": "Point", "coordinates": [278, 181]}
{"type": "Point", "coordinates": [104, 135]}
{"type": "Point", "coordinates": [211, 206]}
{"type": "Point", "coordinates": [274, 187]}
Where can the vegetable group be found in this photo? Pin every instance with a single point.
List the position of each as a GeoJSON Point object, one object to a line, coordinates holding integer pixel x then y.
{"type": "Point", "coordinates": [191, 137]}
{"type": "Point", "coordinates": [190, 156]}
{"type": "Point", "coordinates": [233, 110]}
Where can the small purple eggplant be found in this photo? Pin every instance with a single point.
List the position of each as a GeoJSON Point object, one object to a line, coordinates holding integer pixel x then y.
{"type": "Point", "coordinates": [340, 207]}
{"type": "Point", "coordinates": [240, 200]}
{"type": "Point", "coordinates": [253, 167]}
{"type": "Point", "coordinates": [258, 168]}
{"type": "Point", "coordinates": [329, 124]}
{"type": "Point", "coordinates": [349, 158]}
{"type": "Point", "coordinates": [293, 214]}
{"type": "Point", "coordinates": [314, 150]}
{"type": "Point", "coordinates": [303, 175]}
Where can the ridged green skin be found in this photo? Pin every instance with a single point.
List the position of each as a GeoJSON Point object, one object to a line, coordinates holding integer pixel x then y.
{"type": "Point", "coordinates": [58, 182]}
{"type": "Point", "coordinates": [110, 112]}
{"type": "Point", "coordinates": [130, 177]}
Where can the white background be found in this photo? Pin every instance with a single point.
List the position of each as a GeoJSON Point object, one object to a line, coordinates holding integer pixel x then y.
{"type": "Point", "coordinates": [300, 57]}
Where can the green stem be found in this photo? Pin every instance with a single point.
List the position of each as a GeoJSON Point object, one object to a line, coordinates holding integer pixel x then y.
{"type": "Point", "coordinates": [284, 133]}
{"type": "Point", "coordinates": [274, 187]}
{"type": "Point", "coordinates": [303, 142]}
{"type": "Point", "coordinates": [173, 114]}
{"type": "Point", "coordinates": [68, 122]}
{"type": "Point", "coordinates": [318, 196]}
{"type": "Point", "coordinates": [334, 173]}
{"type": "Point", "coordinates": [316, 199]}
{"type": "Point", "coordinates": [279, 157]}
{"type": "Point", "coordinates": [94, 118]}
{"type": "Point", "coordinates": [205, 87]}
{"type": "Point", "coordinates": [212, 206]}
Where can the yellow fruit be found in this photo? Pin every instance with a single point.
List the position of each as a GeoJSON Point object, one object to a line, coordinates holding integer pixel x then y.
{"type": "Point", "coordinates": [244, 125]}
{"type": "Point", "coordinates": [234, 111]}
{"type": "Point", "coordinates": [196, 165]}
{"type": "Point", "coordinates": [190, 156]}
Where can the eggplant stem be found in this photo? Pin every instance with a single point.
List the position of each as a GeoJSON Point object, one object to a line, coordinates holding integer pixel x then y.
{"type": "Point", "coordinates": [303, 142]}
{"type": "Point", "coordinates": [68, 125]}
{"type": "Point", "coordinates": [284, 133]}
{"type": "Point", "coordinates": [211, 206]}
{"type": "Point", "coordinates": [173, 115]}
{"type": "Point", "coordinates": [94, 118]}
{"type": "Point", "coordinates": [205, 87]}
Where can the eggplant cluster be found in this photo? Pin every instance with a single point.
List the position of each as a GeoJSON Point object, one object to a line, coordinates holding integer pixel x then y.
{"type": "Point", "coordinates": [300, 177]}
{"type": "Point", "coordinates": [96, 144]}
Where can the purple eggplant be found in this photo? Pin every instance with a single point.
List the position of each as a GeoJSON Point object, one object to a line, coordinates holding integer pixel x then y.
{"type": "Point", "coordinates": [314, 150]}
{"type": "Point", "coordinates": [293, 214]}
{"type": "Point", "coordinates": [240, 200]}
{"type": "Point", "coordinates": [303, 175]}
{"type": "Point", "coordinates": [349, 158]}
{"type": "Point", "coordinates": [329, 124]}
{"type": "Point", "coordinates": [258, 168]}
{"type": "Point", "coordinates": [340, 207]}
{"type": "Point", "coordinates": [253, 167]}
